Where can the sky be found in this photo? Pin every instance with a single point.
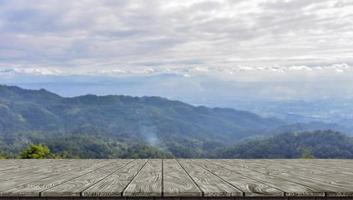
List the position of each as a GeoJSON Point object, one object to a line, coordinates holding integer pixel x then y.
{"type": "Point", "coordinates": [200, 51]}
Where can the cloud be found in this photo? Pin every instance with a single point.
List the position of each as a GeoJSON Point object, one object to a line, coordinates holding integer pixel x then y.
{"type": "Point", "coordinates": [199, 49]}
{"type": "Point", "coordinates": [111, 35]}
{"type": "Point", "coordinates": [235, 73]}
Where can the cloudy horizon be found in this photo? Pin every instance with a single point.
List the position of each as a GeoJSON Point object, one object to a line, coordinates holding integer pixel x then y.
{"type": "Point", "coordinates": [201, 45]}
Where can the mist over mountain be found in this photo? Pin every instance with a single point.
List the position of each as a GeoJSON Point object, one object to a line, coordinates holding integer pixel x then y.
{"type": "Point", "coordinates": [154, 121]}
{"type": "Point", "coordinates": [267, 98]}
{"type": "Point", "coordinates": [125, 126]}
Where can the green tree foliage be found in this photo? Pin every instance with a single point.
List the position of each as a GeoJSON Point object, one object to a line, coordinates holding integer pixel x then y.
{"type": "Point", "coordinates": [306, 153]}
{"type": "Point", "coordinates": [112, 126]}
{"type": "Point", "coordinates": [2, 156]}
{"type": "Point", "coordinates": [318, 144]}
{"type": "Point", "coordinates": [125, 117]}
{"type": "Point", "coordinates": [144, 151]}
{"type": "Point", "coordinates": [81, 146]}
{"type": "Point", "coordinates": [36, 152]}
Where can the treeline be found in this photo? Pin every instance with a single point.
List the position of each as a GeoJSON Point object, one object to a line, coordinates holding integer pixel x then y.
{"type": "Point", "coordinates": [75, 146]}
{"type": "Point", "coordinates": [34, 152]}
{"type": "Point", "coordinates": [40, 151]}
{"type": "Point", "coordinates": [317, 144]}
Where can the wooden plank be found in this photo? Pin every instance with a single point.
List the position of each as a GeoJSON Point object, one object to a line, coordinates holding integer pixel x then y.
{"type": "Point", "coordinates": [330, 184]}
{"type": "Point", "coordinates": [249, 186]}
{"type": "Point", "coordinates": [176, 182]}
{"type": "Point", "coordinates": [34, 188]}
{"type": "Point", "coordinates": [38, 168]}
{"type": "Point", "coordinates": [115, 184]}
{"type": "Point", "coordinates": [29, 168]}
{"type": "Point", "coordinates": [209, 184]}
{"type": "Point", "coordinates": [75, 186]}
{"type": "Point", "coordinates": [148, 182]}
{"type": "Point", "coordinates": [290, 188]}
{"type": "Point", "coordinates": [12, 164]}
{"type": "Point", "coordinates": [26, 177]}
{"type": "Point", "coordinates": [306, 166]}
{"type": "Point", "coordinates": [338, 169]}
{"type": "Point", "coordinates": [169, 178]}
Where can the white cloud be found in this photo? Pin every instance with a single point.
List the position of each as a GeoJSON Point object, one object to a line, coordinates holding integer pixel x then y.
{"type": "Point", "coordinates": [235, 73]}
{"type": "Point", "coordinates": [31, 71]}
{"type": "Point", "coordinates": [112, 35]}
{"type": "Point", "coordinates": [286, 48]}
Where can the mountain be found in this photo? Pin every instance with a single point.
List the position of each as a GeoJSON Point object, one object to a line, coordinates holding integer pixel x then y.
{"type": "Point", "coordinates": [332, 111]}
{"type": "Point", "coordinates": [155, 121]}
{"type": "Point", "coordinates": [117, 126]}
{"type": "Point", "coordinates": [316, 144]}
{"type": "Point", "coordinates": [312, 126]}
{"type": "Point", "coordinates": [145, 117]}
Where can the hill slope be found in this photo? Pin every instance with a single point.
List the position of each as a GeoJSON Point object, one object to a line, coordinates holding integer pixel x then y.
{"type": "Point", "coordinates": [318, 144]}
{"type": "Point", "coordinates": [138, 127]}
{"type": "Point", "coordinates": [156, 121]}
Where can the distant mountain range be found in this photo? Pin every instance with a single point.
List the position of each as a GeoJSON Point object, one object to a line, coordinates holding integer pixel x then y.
{"type": "Point", "coordinates": [174, 127]}
{"type": "Point", "coordinates": [147, 118]}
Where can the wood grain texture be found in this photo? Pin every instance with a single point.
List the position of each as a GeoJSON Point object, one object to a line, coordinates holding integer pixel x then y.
{"type": "Point", "coordinates": [75, 186]}
{"type": "Point", "coordinates": [32, 167]}
{"type": "Point", "coordinates": [12, 164]}
{"type": "Point", "coordinates": [46, 170]}
{"type": "Point", "coordinates": [34, 188]}
{"type": "Point", "coordinates": [249, 186]}
{"type": "Point", "coordinates": [176, 182]}
{"type": "Point", "coordinates": [318, 178]}
{"type": "Point", "coordinates": [115, 184]}
{"type": "Point", "coordinates": [148, 182]}
{"type": "Point", "coordinates": [182, 178]}
{"type": "Point", "coordinates": [342, 169]}
{"type": "Point", "coordinates": [289, 187]}
{"type": "Point", "coordinates": [210, 184]}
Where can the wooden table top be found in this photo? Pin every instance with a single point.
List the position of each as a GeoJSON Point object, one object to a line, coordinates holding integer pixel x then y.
{"type": "Point", "coordinates": [175, 178]}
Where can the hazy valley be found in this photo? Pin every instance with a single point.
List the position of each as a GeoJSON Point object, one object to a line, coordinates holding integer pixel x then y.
{"type": "Point", "coordinates": [112, 126]}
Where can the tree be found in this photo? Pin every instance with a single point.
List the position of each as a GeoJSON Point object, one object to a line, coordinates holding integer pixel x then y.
{"type": "Point", "coordinates": [2, 156]}
{"type": "Point", "coordinates": [36, 152]}
{"type": "Point", "coordinates": [306, 153]}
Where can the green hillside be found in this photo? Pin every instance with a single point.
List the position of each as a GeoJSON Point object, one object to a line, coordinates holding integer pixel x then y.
{"type": "Point", "coordinates": [317, 144]}
{"type": "Point", "coordinates": [115, 126]}
{"type": "Point", "coordinates": [154, 121]}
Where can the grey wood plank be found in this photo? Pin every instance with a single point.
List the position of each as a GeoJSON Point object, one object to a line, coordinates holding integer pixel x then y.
{"type": "Point", "coordinates": [24, 178]}
{"type": "Point", "coordinates": [75, 186]}
{"type": "Point", "coordinates": [39, 167]}
{"type": "Point", "coordinates": [12, 164]}
{"type": "Point", "coordinates": [340, 168]}
{"type": "Point", "coordinates": [249, 186]}
{"type": "Point", "coordinates": [210, 184]}
{"type": "Point", "coordinates": [290, 188]}
{"type": "Point", "coordinates": [115, 184]}
{"type": "Point", "coordinates": [176, 182]}
{"type": "Point", "coordinates": [35, 187]}
{"type": "Point", "coordinates": [27, 178]}
{"type": "Point", "coordinates": [332, 170]}
{"type": "Point", "coordinates": [331, 184]}
{"type": "Point", "coordinates": [26, 165]}
{"type": "Point", "coordinates": [148, 182]}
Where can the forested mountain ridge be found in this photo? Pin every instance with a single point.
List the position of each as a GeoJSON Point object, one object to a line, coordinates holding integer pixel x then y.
{"type": "Point", "coordinates": [316, 144]}
{"type": "Point", "coordinates": [148, 118]}
{"type": "Point", "coordinates": [117, 126]}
